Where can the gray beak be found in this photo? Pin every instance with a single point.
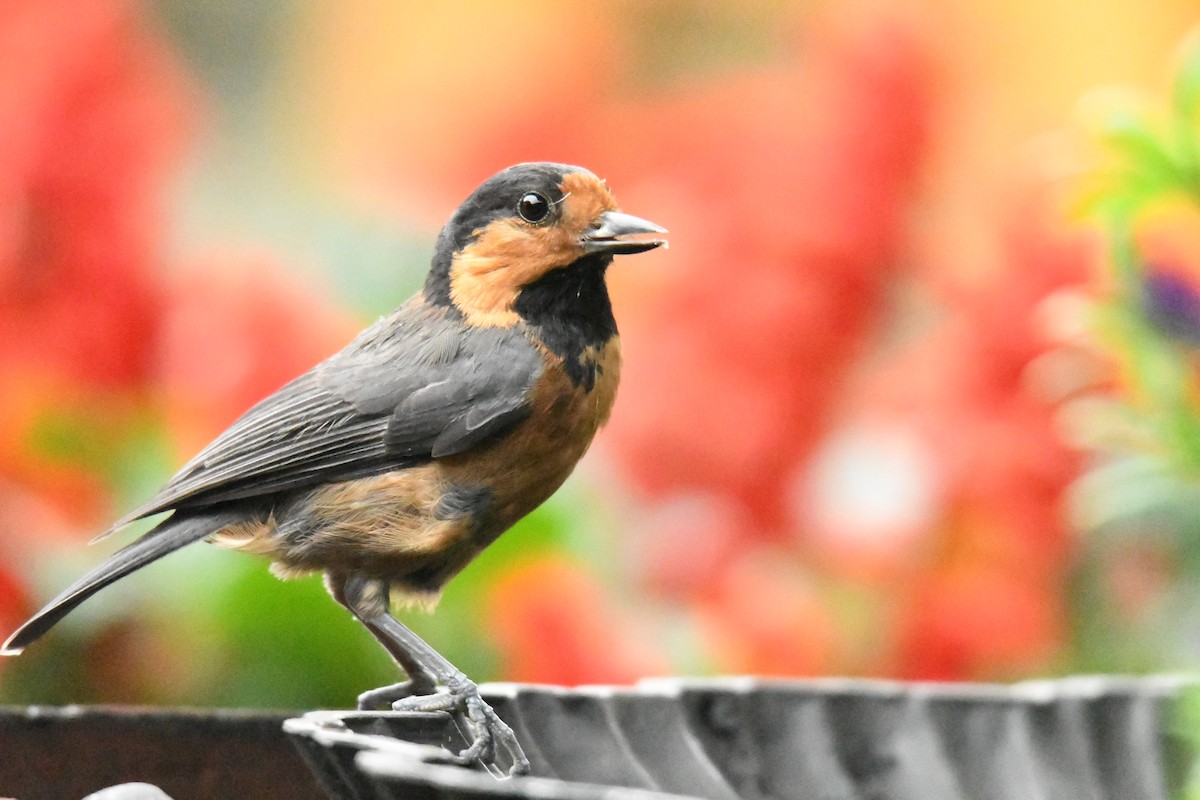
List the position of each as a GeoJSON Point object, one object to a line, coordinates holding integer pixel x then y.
{"type": "Point", "coordinates": [605, 237]}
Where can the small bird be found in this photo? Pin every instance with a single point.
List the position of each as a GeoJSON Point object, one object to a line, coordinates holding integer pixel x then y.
{"type": "Point", "coordinates": [392, 464]}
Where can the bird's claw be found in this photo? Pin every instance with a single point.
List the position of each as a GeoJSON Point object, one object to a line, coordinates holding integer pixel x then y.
{"type": "Point", "coordinates": [462, 699]}
{"type": "Point", "coordinates": [387, 696]}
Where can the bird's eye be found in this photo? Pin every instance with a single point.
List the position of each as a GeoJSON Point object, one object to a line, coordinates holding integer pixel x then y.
{"type": "Point", "coordinates": [533, 207]}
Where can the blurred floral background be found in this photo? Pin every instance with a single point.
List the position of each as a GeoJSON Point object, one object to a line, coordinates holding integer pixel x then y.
{"type": "Point", "coordinates": [914, 393]}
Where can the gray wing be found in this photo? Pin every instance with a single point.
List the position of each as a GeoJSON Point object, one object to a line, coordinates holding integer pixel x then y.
{"type": "Point", "coordinates": [415, 386]}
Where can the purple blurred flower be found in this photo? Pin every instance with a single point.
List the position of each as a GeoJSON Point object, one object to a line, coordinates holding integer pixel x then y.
{"type": "Point", "coordinates": [1171, 301]}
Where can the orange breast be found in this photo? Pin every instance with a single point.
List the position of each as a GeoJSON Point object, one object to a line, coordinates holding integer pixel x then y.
{"type": "Point", "coordinates": [524, 468]}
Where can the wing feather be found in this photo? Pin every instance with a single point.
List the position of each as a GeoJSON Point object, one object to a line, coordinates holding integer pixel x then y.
{"type": "Point", "coordinates": [415, 386]}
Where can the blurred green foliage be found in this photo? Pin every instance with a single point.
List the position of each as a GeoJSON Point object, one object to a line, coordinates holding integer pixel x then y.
{"type": "Point", "coordinates": [1140, 504]}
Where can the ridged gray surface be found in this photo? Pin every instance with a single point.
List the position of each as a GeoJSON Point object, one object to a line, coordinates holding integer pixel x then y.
{"type": "Point", "coordinates": [744, 739]}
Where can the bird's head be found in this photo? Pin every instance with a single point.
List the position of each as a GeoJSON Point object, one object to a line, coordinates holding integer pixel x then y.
{"type": "Point", "coordinates": [522, 225]}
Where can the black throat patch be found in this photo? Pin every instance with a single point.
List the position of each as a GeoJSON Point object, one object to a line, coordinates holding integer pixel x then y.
{"type": "Point", "coordinates": [570, 312]}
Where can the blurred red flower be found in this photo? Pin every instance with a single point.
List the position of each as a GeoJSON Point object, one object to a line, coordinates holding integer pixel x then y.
{"type": "Point", "coordinates": [986, 594]}
{"type": "Point", "coordinates": [236, 329]}
{"type": "Point", "coordinates": [683, 547]}
{"type": "Point", "coordinates": [92, 115]}
{"type": "Point", "coordinates": [555, 624]}
{"type": "Point", "coordinates": [981, 621]}
{"type": "Point", "coordinates": [768, 618]}
{"type": "Point", "coordinates": [788, 187]}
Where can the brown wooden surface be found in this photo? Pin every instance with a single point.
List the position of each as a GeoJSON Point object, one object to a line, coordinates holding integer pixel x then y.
{"type": "Point", "coordinates": [50, 753]}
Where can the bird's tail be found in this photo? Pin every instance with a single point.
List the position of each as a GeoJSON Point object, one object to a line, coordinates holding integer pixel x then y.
{"type": "Point", "coordinates": [168, 536]}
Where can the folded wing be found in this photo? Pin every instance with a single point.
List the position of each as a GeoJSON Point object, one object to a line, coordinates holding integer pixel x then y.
{"type": "Point", "coordinates": [415, 386]}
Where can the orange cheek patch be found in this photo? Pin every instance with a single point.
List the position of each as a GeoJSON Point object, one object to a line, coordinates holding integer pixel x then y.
{"type": "Point", "coordinates": [508, 254]}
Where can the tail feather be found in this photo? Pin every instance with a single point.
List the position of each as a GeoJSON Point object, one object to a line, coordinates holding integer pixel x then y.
{"type": "Point", "coordinates": [168, 536]}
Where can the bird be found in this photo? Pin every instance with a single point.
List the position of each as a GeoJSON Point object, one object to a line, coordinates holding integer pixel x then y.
{"type": "Point", "coordinates": [392, 464]}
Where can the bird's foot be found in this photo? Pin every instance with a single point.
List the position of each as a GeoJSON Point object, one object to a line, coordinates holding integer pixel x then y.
{"type": "Point", "coordinates": [385, 697]}
{"type": "Point", "coordinates": [461, 698]}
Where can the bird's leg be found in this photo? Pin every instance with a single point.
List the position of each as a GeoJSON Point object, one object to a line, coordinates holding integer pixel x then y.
{"type": "Point", "coordinates": [368, 600]}
{"type": "Point", "coordinates": [420, 681]}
